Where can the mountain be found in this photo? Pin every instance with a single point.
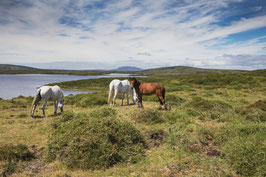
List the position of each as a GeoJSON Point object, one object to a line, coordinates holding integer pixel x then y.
{"type": "Point", "coordinates": [128, 68]}
{"type": "Point", "coordinates": [184, 70]}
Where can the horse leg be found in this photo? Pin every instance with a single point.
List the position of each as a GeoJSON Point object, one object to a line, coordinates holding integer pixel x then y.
{"type": "Point", "coordinates": [127, 98]}
{"type": "Point", "coordinates": [123, 94]}
{"type": "Point", "coordinates": [161, 99]}
{"type": "Point", "coordinates": [55, 107]}
{"type": "Point", "coordinates": [116, 91]}
{"type": "Point", "coordinates": [132, 95]}
{"type": "Point", "coordinates": [140, 101]}
{"type": "Point", "coordinates": [43, 107]}
{"type": "Point", "coordinates": [33, 110]}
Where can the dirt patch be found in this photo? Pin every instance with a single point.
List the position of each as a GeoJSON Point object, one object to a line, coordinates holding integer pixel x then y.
{"type": "Point", "coordinates": [155, 137]}
{"type": "Point", "coordinates": [37, 166]}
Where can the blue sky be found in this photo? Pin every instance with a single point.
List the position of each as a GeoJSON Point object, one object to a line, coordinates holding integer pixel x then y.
{"type": "Point", "coordinates": [105, 34]}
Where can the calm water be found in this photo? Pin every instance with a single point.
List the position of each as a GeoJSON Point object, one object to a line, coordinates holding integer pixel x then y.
{"type": "Point", "coordinates": [13, 85]}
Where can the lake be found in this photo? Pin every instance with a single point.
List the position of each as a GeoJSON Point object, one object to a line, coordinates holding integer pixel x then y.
{"type": "Point", "coordinates": [14, 85]}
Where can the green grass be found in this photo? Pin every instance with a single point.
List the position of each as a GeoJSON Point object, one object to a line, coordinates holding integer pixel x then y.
{"type": "Point", "coordinates": [215, 127]}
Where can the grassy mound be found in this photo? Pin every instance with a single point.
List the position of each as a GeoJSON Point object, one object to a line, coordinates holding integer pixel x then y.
{"type": "Point", "coordinates": [94, 142]}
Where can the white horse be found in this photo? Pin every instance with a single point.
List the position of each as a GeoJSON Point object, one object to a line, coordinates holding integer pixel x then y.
{"type": "Point", "coordinates": [124, 86]}
{"type": "Point", "coordinates": [48, 93]}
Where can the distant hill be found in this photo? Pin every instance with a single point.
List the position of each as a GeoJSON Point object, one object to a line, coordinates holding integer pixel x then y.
{"type": "Point", "coordinates": [17, 69]}
{"type": "Point", "coordinates": [8, 67]}
{"type": "Point", "coordinates": [128, 68]}
{"type": "Point", "coordinates": [184, 70]}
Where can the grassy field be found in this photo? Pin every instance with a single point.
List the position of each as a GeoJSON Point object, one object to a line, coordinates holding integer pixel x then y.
{"type": "Point", "coordinates": [215, 127]}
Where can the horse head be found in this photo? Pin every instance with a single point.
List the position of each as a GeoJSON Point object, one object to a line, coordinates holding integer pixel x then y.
{"type": "Point", "coordinates": [134, 83]}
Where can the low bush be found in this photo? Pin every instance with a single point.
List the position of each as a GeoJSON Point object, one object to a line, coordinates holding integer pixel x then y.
{"type": "Point", "coordinates": [91, 142]}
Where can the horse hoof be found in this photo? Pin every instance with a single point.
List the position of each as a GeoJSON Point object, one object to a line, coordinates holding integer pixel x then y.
{"type": "Point", "coordinates": [32, 116]}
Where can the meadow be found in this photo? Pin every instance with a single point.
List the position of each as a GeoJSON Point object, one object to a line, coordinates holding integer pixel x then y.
{"type": "Point", "coordinates": [215, 127]}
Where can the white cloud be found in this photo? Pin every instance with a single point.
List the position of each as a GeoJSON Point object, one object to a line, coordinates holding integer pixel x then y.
{"type": "Point", "coordinates": [120, 31]}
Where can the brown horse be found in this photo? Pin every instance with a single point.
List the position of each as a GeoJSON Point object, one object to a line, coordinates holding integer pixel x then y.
{"type": "Point", "coordinates": [148, 89]}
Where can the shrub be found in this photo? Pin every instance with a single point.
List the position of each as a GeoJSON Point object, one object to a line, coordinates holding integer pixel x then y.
{"type": "Point", "coordinates": [14, 153]}
{"type": "Point", "coordinates": [89, 142]}
{"type": "Point", "coordinates": [148, 116]}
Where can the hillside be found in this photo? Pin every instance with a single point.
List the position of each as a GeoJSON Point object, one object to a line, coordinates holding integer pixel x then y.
{"type": "Point", "coordinates": [183, 70]}
{"type": "Point", "coordinates": [18, 69]}
{"type": "Point", "coordinates": [8, 67]}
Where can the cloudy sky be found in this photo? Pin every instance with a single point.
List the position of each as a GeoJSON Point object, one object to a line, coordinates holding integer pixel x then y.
{"type": "Point", "coordinates": [105, 34]}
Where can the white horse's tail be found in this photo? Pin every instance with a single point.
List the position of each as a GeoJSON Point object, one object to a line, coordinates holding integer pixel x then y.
{"type": "Point", "coordinates": [36, 99]}
{"type": "Point", "coordinates": [111, 88]}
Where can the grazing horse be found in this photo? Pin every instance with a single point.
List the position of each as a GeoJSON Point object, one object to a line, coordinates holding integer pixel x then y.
{"type": "Point", "coordinates": [48, 93]}
{"type": "Point", "coordinates": [124, 86]}
{"type": "Point", "coordinates": [148, 89]}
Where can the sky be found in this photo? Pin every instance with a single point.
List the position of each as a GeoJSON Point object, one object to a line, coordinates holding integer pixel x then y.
{"type": "Point", "coordinates": [106, 34]}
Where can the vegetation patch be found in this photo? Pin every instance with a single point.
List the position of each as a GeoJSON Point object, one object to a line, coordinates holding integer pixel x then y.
{"type": "Point", "coordinates": [243, 145]}
{"type": "Point", "coordinates": [156, 137]}
{"type": "Point", "coordinates": [103, 112]}
{"type": "Point", "coordinates": [87, 100]}
{"type": "Point", "coordinates": [91, 142]}
{"type": "Point", "coordinates": [13, 153]}
{"type": "Point", "coordinates": [207, 105]}
{"type": "Point", "coordinates": [148, 116]}
{"type": "Point", "coordinates": [246, 155]}
{"type": "Point", "coordinates": [174, 100]}
{"type": "Point", "coordinates": [255, 112]}
{"type": "Point", "coordinates": [178, 136]}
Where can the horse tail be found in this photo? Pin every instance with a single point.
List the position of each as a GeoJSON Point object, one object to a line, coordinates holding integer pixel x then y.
{"type": "Point", "coordinates": [110, 92]}
{"type": "Point", "coordinates": [37, 98]}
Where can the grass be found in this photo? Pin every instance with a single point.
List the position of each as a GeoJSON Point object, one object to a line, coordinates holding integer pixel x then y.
{"type": "Point", "coordinates": [215, 127]}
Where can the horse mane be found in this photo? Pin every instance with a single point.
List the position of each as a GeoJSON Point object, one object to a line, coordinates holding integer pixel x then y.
{"type": "Point", "coordinates": [137, 82]}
